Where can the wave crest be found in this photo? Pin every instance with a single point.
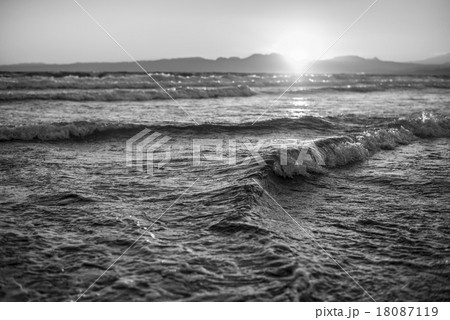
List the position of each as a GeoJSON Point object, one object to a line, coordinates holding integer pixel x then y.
{"type": "Point", "coordinates": [427, 125]}
{"type": "Point", "coordinates": [337, 151]}
{"type": "Point", "coordinates": [59, 131]}
{"type": "Point", "coordinates": [127, 94]}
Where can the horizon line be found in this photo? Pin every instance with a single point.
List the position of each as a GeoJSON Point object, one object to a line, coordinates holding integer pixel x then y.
{"type": "Point", "coordinates": [222, 57]}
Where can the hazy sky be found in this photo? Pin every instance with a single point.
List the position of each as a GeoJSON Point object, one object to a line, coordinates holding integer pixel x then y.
{"type": "Point", "coordinates": [59, 31]}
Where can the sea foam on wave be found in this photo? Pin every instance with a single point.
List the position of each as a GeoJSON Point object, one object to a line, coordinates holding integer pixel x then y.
{"type": "Point", "coordinates": [127, 94]}
{"type": "Point", "coordinates": [340, 151]}
{"type": "Point", "coordinates": [57, 131]}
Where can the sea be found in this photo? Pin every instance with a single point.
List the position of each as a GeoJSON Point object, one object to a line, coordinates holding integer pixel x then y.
{"type": "Point", "coordinates": [224, 187]}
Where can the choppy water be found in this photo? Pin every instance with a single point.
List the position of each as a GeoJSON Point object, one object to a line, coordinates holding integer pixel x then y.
{"type": "Point", "coordinates": [373, 199]}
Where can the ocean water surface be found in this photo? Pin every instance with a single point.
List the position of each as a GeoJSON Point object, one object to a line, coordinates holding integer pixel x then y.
{"type": "Point", "coordinates": [365, 217]}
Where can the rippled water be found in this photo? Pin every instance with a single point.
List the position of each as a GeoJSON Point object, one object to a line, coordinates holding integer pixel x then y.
{"type": "Point", "coordinates": [377, 207]}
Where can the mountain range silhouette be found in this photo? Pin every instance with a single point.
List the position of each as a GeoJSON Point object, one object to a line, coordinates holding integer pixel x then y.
{"type": "Point", "coordinates": [256, 63]}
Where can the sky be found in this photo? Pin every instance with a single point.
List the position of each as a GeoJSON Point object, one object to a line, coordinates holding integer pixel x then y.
{"type": "Point", "coordinates": [58, 31]}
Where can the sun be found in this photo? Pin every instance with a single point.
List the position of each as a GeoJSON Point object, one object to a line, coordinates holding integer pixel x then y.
{"type": "Point", "coordinates": [299, 46]}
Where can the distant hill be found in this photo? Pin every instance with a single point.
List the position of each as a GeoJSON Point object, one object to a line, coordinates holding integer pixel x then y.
{"type": "Point", "coordinates": [271, 63]}
{"type": "Point", "coordinates": [355, 64]}
{"type": "Point", "coordinates": [257, 63]}
{"type": "Point", "coordinates": [440, 59]}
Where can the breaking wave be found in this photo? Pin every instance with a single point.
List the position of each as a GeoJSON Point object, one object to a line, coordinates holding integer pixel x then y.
{"type": "Point", "coordinates": [80, 129]}
{"type": "Point", "coordinates": [337, 151]}
{"type": "Point", "coordinates": [61, 131]}
{"type": "Point", "coordinates": [342, 150]}
{"type": "Point", "coordinates": [128, 94]}
{"type": "Point", "coordinates": [393, 133]}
